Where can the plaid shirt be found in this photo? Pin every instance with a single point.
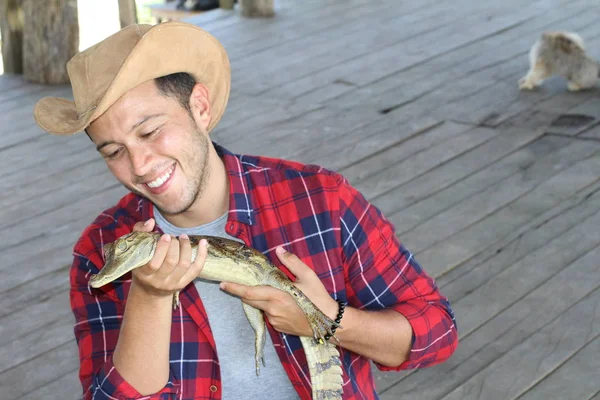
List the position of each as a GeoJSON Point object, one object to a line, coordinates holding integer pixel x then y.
{"type": "Point", "coordinates": [312, 212]}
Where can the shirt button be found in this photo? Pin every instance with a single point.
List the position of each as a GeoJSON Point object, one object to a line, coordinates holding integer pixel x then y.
{"type": "Point", "coordinates": [213, 388]}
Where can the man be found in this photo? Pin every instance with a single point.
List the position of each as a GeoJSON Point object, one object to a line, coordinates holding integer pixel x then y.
{"type": "Point", "coordinates": [148, 98]}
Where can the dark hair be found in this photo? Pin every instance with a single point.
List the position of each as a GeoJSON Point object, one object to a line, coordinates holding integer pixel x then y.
{"type": "Point", "coordinates": [178, 85]}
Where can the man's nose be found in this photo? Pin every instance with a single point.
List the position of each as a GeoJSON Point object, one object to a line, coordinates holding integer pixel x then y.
{"type": "Point", "coordinates": [140, 161]}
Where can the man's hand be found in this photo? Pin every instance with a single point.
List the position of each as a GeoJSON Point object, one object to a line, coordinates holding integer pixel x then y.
{"type": "Point", "coordinates": [280, 308]}
{"type": "Point", "coordinates": [171, 268]}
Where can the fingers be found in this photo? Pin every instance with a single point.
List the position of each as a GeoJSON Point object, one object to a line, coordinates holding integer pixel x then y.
{"type": "Point", "coordinates": [294, 264]}
{"type": "Point", "coordinates": [265, 298]}
{"type": "Point", "coordinates": [171, 268]}
{"type": "Point", "coordinates": [196, 267]}
{"type": "Point", "coordinates": [147, 226]}
{"type": "Point", "coordinates": [171, 259]}
{"type": "Point", "coordinates": [186, 270]}
{"type": "Point", "coordinates": [162, 248]}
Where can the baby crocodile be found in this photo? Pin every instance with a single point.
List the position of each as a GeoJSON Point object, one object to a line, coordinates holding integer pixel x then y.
{"type": "Point", "coordinates": [231, 261]}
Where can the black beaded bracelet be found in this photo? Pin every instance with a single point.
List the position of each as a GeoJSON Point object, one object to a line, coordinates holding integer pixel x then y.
{"type": "Point", "coordinates": [338, 319]}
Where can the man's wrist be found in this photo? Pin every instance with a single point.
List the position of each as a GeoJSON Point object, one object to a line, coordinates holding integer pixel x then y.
{"type": "Point", "coordinates": [148, 296]}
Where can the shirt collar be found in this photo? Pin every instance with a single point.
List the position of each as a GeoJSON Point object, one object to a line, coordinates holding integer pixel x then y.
{"type": "Point", "coordinates": [240, 187]}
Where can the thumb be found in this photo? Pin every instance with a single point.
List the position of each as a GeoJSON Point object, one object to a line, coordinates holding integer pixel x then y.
{"type": "Point", "coordinates": [147, 226]}
{"type": "Point", "coordinates": [300, 270]}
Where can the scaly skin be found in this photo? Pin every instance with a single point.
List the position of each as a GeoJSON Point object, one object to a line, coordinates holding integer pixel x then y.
{"type": "Point", "coordinates": [228, 260]}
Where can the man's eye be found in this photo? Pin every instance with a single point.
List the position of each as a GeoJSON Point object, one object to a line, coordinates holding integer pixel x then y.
{"type": "Point", "coordinates": [145, 135]}
{"type": "Point", "coordinates": [114, 154]}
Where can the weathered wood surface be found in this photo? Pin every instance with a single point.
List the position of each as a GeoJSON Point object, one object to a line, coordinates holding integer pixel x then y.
{"type": "Point", "coordinates": [50, 39]}
{"type": "Point", "coordinates": [11, 28]}
{"type": "Point", "coordinates": [416, 103]}
{"type": "Point", "coordinates": [127, 13]}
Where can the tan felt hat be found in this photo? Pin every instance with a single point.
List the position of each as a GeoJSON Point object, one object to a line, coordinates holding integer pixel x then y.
{"type": "Point", "coordinates": [103, 73]}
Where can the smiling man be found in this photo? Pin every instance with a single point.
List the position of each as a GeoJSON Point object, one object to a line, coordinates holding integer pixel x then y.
{"type": "Point", "coordinates": [148, 98]}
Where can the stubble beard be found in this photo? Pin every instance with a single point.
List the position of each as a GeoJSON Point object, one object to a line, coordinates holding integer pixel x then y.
{"type": "Point", "coordinates": [196, 157]}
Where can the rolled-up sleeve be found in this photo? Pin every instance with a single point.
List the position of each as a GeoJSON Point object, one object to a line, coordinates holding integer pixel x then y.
{"type": "Point", "coordinates": [383, 274]}
{"type": "Point", "coordinates": [98, 316]}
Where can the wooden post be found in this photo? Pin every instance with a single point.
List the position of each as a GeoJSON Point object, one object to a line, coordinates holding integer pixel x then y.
{"type": "Point", "coordinates": [11, 23]}
{"type": "Point", "coordinates": [257, 8]}
{"type": "Point", "coordinates": [226, 4]}
{"type": "Point", "coordinates": [50, 39]}
{"type": "Point", "coordinates": [127, 12]}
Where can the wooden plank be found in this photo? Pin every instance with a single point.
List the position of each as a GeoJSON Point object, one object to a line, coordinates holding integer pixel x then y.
{"type": "Point", "coordinates": [529, 239]}
{"type": "Point", "coordinates": [32, 344]}
{"type": "Point", "coordinates": [47, 225]}
{"type": "Point", "coordinates": [378, 161]}
{"type": "Point", "coordinates": [40, 371]}
{"type": "Point", "coordinates": [69, 196]}
{"type": "Point", "coordinates": [19, 125]}
{"type": "Point", "coordinates": [467, 174]}
{"type": "Point", "coordinates": [534, 306]}
{"type": "Point", "coordinates": [366, 140]}
{"type": "Point", "coordinates": [311, 54]}
{"type": "Point", "coordinates": [593, 133]}
{"type": "Point", "coordinates": [37, 316]}
{"type": "Point", "coordinates": [537, 356]}
{"type": "Point", "coordinates": [35, 291]}
{"type": "Point", "coordinates": [48, 168]}
{"type": "Point", "coordinates": [301, 133]}
{"type": "Point", "coordinates": [56, 249]}
{"type": "Point", "coordinates": [577, 378]}
{"type": "Point", "coordinates": [465, 244]}
{"type": "Point", "coordinates": [417, 81]}
{"type": "Point", "coordinates": [423, 161]}
{"type": "Point", "coordinates": [249, 37]}
{"type": "Point", "coordinates": [506, 100]}
{"type": "Point", "coordinates": [403, 55]}
{"type": "Point", "coordinates": [50, 188]}
{"type": "Point", "coordinates": [44, 149]}
{"type": "Point", "coordinates": [516, 280]}
{"type": "Point", "coordinates": [445, 91]}
{"type": "Point", "coordinates": [243, 36]}
{"type": "Point", "coordinates": [468, 278]}
{"type": "Point", "coordinates": [10, 81]}
{"type": "Point", "coordinates": [427, 228]}
{"type": "Point", "coordinates": [61, 388]}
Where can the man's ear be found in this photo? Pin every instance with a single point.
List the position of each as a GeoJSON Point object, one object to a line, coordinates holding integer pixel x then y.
{"type": "Point", "coordinates": [200, 105]}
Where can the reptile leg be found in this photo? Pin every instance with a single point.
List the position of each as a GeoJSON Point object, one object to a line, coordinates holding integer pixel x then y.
{"type": "Point", "coordinates": [320, 323]}
{"type": "Point", "coordinates": [257, 321]}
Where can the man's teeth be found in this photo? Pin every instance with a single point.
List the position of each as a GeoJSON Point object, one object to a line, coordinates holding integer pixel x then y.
{"type": "Point", "coordinates": [161, 179]}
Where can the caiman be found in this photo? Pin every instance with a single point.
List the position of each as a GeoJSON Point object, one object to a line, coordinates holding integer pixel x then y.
{"type": "Point", "coordinates": [231, 261]}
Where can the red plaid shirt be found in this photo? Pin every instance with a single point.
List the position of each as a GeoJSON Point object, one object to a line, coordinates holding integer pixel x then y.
{"type": "Point", "coordinates": [315, 214]}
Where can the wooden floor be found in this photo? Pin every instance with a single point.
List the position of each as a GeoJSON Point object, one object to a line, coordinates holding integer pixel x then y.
{"type": "Point", "coordinates": [416, 102]}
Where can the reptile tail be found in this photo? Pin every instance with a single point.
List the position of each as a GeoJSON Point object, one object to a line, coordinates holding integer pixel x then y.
{"type": "Point", "coordinates": [325, 369]}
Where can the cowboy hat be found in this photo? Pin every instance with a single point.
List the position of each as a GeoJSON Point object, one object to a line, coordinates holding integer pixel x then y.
{"type": "Point", "coordinates": [103, 73]}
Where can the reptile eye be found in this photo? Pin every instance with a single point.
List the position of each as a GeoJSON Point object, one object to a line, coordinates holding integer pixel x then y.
{"type": "Point", "coordinates": [122, 246]}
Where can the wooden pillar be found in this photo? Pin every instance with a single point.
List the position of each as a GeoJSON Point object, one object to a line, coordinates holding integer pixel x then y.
{"type": "Point", "coordinates": [257, 8]}
{"type": "Point", "coordinates": [50, 39]}
{"type": "Point", "coordinates": [226, 4]}
{"type": "Point", "coordinates": [11, 23]}
{"type": "Point", "coordinates": [127, 12]}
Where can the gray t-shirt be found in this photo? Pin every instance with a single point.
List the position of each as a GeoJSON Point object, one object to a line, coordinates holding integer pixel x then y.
{"type": "Point", "coordinates": [233, 334]}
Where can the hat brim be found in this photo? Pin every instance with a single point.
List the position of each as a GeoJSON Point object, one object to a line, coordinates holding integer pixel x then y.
{"type": "Point", "coordinates": [164, 49]}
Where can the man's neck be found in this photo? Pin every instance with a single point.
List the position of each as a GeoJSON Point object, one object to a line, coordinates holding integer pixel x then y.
{"type": "Point", "coordinates": [213, 202]}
